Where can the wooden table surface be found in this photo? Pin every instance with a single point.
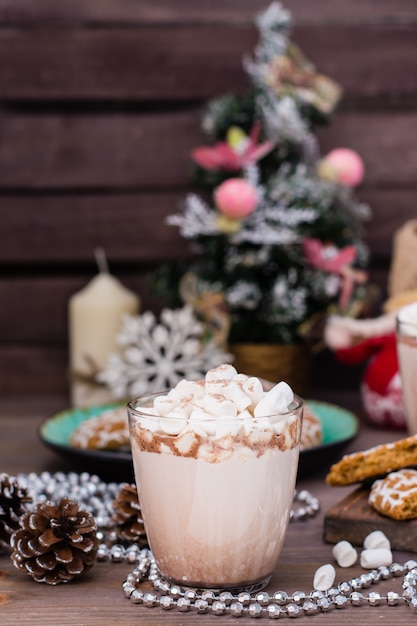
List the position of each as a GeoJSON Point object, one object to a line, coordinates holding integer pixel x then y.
{"type": "Point", "coordinates": [98, 598]}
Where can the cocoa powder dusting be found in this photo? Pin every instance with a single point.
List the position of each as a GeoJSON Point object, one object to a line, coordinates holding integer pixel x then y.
{"type": "Point", "coordinates": [171, 444]}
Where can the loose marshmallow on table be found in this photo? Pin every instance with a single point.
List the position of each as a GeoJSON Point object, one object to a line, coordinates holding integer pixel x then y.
{"type": "Point", "coordinates": [376, 539]}
{"type": "Point", "coordinates": [377, 550]}
{"type": "Point", "coordinates": [374, 558]}
{"type": "Point", "coordinates": [345, 554]}
{"type": "Point", "coordinates": [324, 577]}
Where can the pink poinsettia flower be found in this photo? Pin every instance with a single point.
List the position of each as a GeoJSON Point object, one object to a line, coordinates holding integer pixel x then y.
{"type": "Point", "coordinates": [333, 260]}
{"type": "Point", "coordinates": [233, 158]}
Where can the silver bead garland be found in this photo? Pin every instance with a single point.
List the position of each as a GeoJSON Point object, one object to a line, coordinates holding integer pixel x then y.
{"type": "Point", "coordinates": [262, 604]}
{"type": "Point", "coordinates": [93, 494]}
{"type": "Point", "coordinates": [307, 505]}
{"type": "Point", "coordinates": [98, 496]}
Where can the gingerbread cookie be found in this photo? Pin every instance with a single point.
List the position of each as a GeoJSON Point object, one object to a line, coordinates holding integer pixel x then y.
{"type": "Point", "coordinates": [374, 462]}
{"type": "Point", "coordinates": [396, 495]}
{"type": "Point", "coordinates": [107, 431]}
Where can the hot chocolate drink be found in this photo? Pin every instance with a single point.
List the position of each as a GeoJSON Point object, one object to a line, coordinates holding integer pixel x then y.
{"type": "Point", "coordinates": [215, 463]}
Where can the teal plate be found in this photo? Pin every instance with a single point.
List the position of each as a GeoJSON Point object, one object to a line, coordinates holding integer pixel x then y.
{"type": "Point", "coordinates": [55, 432]}
{"type": "Point", "coordinates": [339, 428]}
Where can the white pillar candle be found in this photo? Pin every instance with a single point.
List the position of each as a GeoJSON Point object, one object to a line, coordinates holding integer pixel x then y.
{"type": "Point", "coordinates": [95, 319]}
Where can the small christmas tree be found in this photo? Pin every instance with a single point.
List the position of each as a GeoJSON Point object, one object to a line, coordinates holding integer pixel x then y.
{"type": "Point", "coordinates": [276, 229]}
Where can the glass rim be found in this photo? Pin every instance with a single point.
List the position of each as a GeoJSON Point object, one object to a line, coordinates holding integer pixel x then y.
{"type": "Point", "coordinates": [399, 316]}
{"type": "Point", "coordinates": [295, 407]}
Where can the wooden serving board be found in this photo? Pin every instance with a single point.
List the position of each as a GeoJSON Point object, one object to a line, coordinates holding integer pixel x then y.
{"type": "Point", "coordinates": [353, 519]}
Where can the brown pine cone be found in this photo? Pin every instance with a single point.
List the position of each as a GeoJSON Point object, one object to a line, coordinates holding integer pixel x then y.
{"type": "Point", "coordinates": [13, 499]}
{"type": "Point", "coordinates": [56, 542]}
{"type": "Point", "coordinates": [127, 516]}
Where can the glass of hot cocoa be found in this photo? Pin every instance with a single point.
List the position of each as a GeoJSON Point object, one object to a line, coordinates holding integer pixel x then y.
{"type": "Point", "coordinates": [406, 333]}
{"type": "Point", "coordinates": [215, 464]}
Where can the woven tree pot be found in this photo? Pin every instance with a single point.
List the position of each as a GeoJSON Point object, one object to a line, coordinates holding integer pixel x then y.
{"type": "Point", "coordinates": [275, 362]}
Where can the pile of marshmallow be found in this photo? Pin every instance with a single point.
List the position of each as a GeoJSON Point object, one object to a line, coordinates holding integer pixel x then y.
{"type": "Point", "coordinates": [376, 553]}
{"type": "Point", "coordinates": [221, 404]}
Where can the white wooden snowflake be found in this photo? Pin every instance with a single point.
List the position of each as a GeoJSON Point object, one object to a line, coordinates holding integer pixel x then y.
{"type": "Point", "coordinates": [155, 356]}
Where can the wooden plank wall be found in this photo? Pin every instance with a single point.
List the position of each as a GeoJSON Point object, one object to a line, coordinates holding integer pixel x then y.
{"type": "Point", "coordinates": [100, 103]}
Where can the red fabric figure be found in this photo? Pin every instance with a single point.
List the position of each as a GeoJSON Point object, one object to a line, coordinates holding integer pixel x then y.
{"type": "Point", "coordinates": [381, 383]}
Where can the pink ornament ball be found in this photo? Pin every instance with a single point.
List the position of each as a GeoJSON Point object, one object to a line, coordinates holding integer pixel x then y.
{"type": "Point", "coordinates": [346, 166]}
{"type": "Point", "coordinates": [236, 198]}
